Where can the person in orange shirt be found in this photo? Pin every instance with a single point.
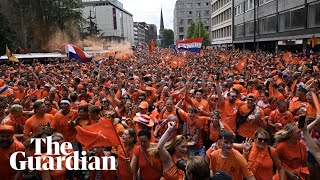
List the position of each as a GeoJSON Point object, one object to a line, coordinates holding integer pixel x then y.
{"type": "Point", "coordinates": [63, 122]}
{"type": "Point", "coordinates": [129, 140]}
{"type": "Point", "coordinates": [150, 166]}
{"type": "Point", "coordinates": [254, 119]}
{"type": "Point", "coordinates": [83, 117]}
{"type": "Point", "coordinates": [15, 118]}
{"type": "Point", "coordinates": [49, 109]}
{"type": "Point", "coordinates": [198, 102]}
{"type": "Point", "coordinates": [216, 126]}
{"type": "Point", "coordinates": [196, 130]}
{"type": "Point", "coordinates": [229, 159]}
{"type": "Point", "coordinates": [151, 96]}
{"type": "Point", "coordinates": [297, 102]}
{"type": "Point", "coordinates": [170, 152]}
{"type": "Point", "coordinates": [8, 145]}
{"type": "Point", "coordinates": [39, 120]}
{"type": "Point", "coordinates": [262, 159]}
{"type": "Point", "coordinates": [292, 152]}
{"type": "Point", "coordinates": [280, 117]}
{"type": "Point", "coordinates": [58, 174]}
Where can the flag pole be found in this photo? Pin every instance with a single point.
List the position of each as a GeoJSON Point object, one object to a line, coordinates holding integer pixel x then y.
{"type": "Point", "coordinates": [125, 154]}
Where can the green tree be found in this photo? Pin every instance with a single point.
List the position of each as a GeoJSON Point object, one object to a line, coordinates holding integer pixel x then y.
{"type": "Point", "coordinates": [46, 17]}
{"type": "Point", "coordinates": [168, 37]}
{"type": "Point", "coordinates": [194, 30]}
{"type": "Point", "coordinates": [7, 35]}
{"type": "Point", "coordinates": [191, 29]}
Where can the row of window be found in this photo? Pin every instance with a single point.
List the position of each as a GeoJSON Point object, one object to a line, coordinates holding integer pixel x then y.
{"type": "Point", "coordinates": [225, 15]}
{"type": "Point", "coordinates": [286, 21]}
{"type": "Point", "coordinates": [182, 29]}
{"type": "Point", "coordinates": [191, 5]}
{"type": "Point", "coordinates": [192, 13]}
{"type": "Point", "coordinates": [221, 33]}
{"type": "Point", "coordinates": [204, 21]}
{"type": "Point", "coordinates": [247, 5]}
{"type": "Point", "coordinates": [218, 4]}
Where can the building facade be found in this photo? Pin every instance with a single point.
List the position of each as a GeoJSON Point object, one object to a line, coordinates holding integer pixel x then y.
{"type": "Point", "coordinates": [144, 33]}
{"type": "Point", "coordinates": [186, 11]}
{"type": "Point", "coordinates": [275, 24]}
{"type": "Point", "coordinates": [115, 23]}
{"type": "Point", "coordinates": [221, 29]}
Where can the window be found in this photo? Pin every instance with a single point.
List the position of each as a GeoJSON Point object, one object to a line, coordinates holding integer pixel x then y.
{"type": "Point", "coordinates": [238, 10]}
{"type": "Point", "coordinates": [189, 21]}
{"type": "Point", "coordinates": [180, 6]}
{"type": "Point", "coordinates": [181, 37]}
{"type": "Point", "coordinates": [181, 29]}
{"type": "Point", "coordinates": [206, 21]}
{"type": "Point", "coordinates": [181, 21]}
{"type": "Point", "coordinates": [189, 5]}
{"type": "Point", "coordinates": [180, 14]}
{"type": "Point", "coordinates": [238, 31]}
{"type": "Point", "coordinates": [207, 13]}
{"type": "Point", "coordinates": [198, 5]}
{"type": "Point", "coordinates": [206, 4]}
{"type": "Point", "coordinates": [314, 15]}
{"type": "Point", "coordinates": [261, 2]}
{"type": "Point", "coordinates": [248, 5]}
{"type": "Point", "coordinates": [190, 12]}
{"type": "Point", "coordinates": [249, 28]}
{"type": "Point", "coordinates": [293, 19]}
{"type": "Point", "coordinates": [207, 28]}
{"type": "Point", "coordinates": [268, 24]}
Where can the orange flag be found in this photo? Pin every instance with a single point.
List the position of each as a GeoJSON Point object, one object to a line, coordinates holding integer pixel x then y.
{"type": "Point", "coordinates": [101, 133]}
{"type": "Point", "coordinates": [296, 60]}
{"type": "Point", "coordinates": [241, 64]}
{"type": "Point", "coordinates": [223, 57]}
{"type": "Point", "coordinates": [286, 56]}
{"type": "Point", "coordinates": [175, 62]}
{"type": "Point", "coordinates": [201, 53]}
{"type": "Point", "coordinates": [151, 46]}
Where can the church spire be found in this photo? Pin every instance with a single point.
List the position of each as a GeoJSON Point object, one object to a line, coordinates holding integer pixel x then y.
{"type": "Point", "coordinates": [161, 21]}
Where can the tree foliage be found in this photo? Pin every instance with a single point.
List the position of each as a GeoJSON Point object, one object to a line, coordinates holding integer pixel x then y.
{"type": "Point", "coordinates": [193, 32]}
{"type": "Point", "coordinates": [46, 17]}
{"type": "Point", "coordinates": [191, 29]}
{"type": "Point", "coordinates": [168, 37]}
{"type": "Point", "coordinates": [7, 35]}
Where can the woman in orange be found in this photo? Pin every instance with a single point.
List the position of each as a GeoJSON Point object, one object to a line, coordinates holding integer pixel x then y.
{"type": "Point", "coordinates": [292, 152]}
{"type": "Point", "coordinates": [262, 159]}
{"type": "Point", "coordinates": [83, 117]}
{"type": "Point", "coordinates": [170, 152]}
{"type": "Point", "coordinates": [129, 140]}
{"type": "Point", "coordinates": [55, 174]}
{"type": "Point", "coordinates": [106, 108]}
{"type": "Point", "coordinates": [150, 167]}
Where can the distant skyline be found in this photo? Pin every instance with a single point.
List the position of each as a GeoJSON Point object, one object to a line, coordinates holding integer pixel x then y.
{"type": "Point", "coordinates": [149, 11]}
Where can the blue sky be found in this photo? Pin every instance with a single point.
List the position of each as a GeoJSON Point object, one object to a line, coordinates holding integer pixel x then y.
{"type": "Point", "coordinates": [149, 11]}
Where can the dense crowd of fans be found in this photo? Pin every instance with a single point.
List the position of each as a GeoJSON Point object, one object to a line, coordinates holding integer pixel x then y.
{"type": "Point", "coordinates": [218, 114]}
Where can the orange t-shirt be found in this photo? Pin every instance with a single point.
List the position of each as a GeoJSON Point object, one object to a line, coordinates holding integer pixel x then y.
{"type": "Point", "coordinates": [249, 127]}
{"type": "Point", "coordinates": [291, 155]}
{"type": "Point", "coordinates": [235, 164]}
{"type": "Point", "coordinates": [173, 173]}
{"type": "Point", "coordinates": [53, 111]}
{"type": "Point", "coordinates": [198, 126]}
{"type": "Point", "coordinates": [283, 118]}
{"type": "Point", "coordinates": [146, 171]}
{"type": "Point", "coordinates": [214, 134]}
{"type": "Point", "coordinates": [61, 124]}
{"type": "Point", "coordinates": [35, 124]}
{"type": "Point", "coordinates": [122, 171]}
{"type": "Point", "coordinates": [17, 123]}
{"type": "Point", "coordinates": [229, 113]}
{"type": "Point", "coordinates": [5, 169]}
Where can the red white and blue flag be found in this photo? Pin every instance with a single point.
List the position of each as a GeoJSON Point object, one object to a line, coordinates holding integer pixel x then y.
{"type": "Point", "coordinates": [76, 53]}
{"type": "Point", "coordinates": [193, 44]}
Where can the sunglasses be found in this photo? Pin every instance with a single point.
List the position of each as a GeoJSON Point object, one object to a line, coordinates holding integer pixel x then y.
{"type": "Point", "coordinates": [140, 99]}
{"type": "Point", "coordinates": [262, 140]}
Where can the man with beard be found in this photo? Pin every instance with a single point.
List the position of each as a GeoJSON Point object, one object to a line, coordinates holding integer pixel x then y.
{"type": "Point", "coordinates": [229, 159]}
{"type": "Point", "coordinates": [228, 108]}
{"type": "Point", "coordinates": [63, 122]}
{"type": "Point", "coordinates": [8, 145]}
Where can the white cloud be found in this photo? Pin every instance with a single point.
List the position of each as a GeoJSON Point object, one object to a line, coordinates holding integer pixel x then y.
{"type": "Point", "coordinates": [149, 11]}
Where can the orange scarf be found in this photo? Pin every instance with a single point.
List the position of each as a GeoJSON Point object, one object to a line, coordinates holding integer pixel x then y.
{"type": "Point", "coordinates": [256, 157]}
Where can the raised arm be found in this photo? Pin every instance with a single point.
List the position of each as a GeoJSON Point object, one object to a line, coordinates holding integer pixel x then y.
{"type": "Point", "coordinates": [165, 156]}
